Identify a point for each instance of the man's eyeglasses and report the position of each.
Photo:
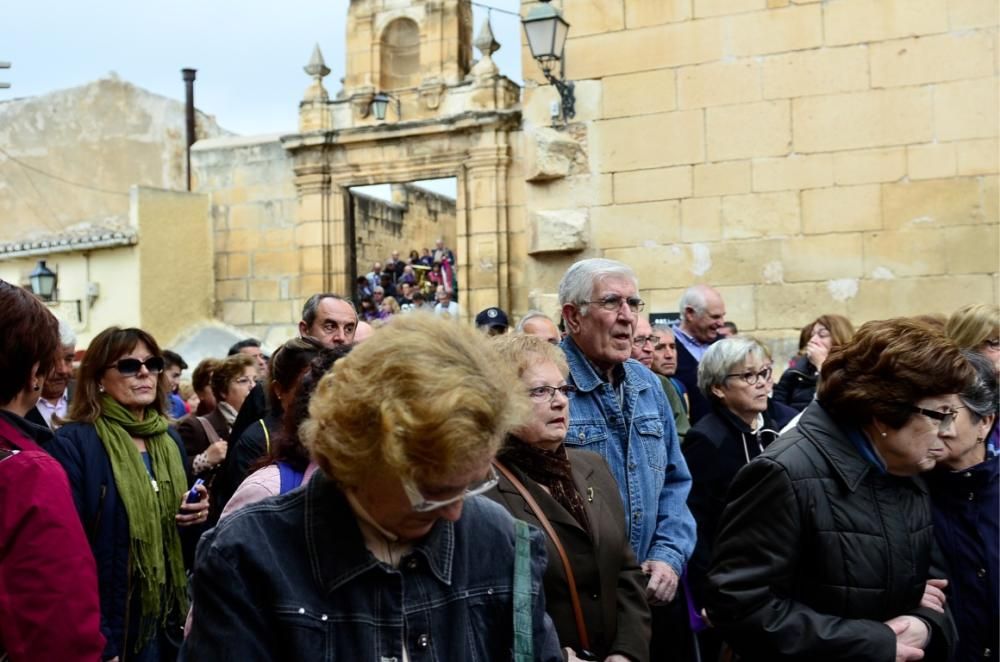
(613, 303)
(547, 393)
(640, 341)
(421, 504)
(944, 418)
(751, 377)
(131, 367)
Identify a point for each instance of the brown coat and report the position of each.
(194, 436)
(609, 581)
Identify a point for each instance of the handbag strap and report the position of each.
(210, 432)
(574, 596)
(524, 639)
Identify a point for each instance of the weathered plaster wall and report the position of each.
(106, 136)
(176, 275)
(804, 156)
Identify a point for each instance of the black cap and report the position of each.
(492, 317)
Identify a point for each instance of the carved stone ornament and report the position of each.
(431, 91)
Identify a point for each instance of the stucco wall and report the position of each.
(175, 260)
(806, 157)
(115, 273)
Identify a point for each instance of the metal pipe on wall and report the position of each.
(189, 76)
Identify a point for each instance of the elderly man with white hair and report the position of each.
(703, 313)
(621, 412)
(57, 389)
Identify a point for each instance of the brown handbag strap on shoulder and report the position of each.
(210, 432)
(574, 596)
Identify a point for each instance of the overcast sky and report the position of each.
(249, 53)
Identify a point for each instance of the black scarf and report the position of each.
(550, 469)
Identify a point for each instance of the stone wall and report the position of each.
(804, 156)
(414, 219)
(260, 248)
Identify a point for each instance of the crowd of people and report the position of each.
(424, 281)
(591, 487)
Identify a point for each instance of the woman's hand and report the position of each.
(817, 352)
(193, 513)
(216, 452)
(911, 637)
(934, 597)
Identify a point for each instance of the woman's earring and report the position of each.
(100, 387)
(36, 387)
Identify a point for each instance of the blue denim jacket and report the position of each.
(640, 444)
(290, 578)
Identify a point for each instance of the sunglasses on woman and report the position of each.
(131, 367)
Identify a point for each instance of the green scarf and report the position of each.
(154, 545)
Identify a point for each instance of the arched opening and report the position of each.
(400, 55)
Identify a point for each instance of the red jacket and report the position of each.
(49, 607)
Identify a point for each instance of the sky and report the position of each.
(249, 53)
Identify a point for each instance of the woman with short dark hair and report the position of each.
(126, 468)
(49, 607)
(965, 493)
(824, 549)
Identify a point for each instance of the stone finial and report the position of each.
(317, 67)
(485, 41)
(318, 70)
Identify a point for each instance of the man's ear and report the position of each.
(571, 317)
(303, 329)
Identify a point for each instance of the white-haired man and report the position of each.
(621, 412)
(703, 313)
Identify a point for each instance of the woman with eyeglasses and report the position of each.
(385, 553)
(126, 469)
(735, 376)
(797, 386)
(825, 549)
(575, 491)
(206, 438)
(965, 494)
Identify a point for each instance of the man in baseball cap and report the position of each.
(492, 322)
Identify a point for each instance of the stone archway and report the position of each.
(474, 147)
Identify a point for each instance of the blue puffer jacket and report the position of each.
(81, 453)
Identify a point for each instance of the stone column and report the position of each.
(482, 239)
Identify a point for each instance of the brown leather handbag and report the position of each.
(574, 596)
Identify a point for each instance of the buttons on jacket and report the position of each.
(423, 641)
(981, 573)
(972, 496)
(412, 563)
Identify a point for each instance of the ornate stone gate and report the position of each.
(444, 119)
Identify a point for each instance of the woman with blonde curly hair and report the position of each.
(977, 327)
(385, 553)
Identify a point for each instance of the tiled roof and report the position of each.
(108, 233)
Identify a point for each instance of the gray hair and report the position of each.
(577, 285)
(663, 327)
(67, 336)
(693, 297)
(980, 396)
(720, 358)
(528, 316)
(312, 305)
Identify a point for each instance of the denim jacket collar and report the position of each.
(330, 524)
(586, 377)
